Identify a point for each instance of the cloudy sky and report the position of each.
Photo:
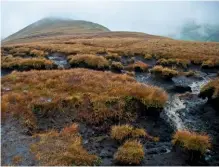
(153, 17)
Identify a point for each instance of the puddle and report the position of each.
(60, 60)
(5, 72)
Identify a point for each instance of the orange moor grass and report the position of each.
(18, 63)
(94, 96)
(122, 132)
(88, 61)
(130, 153)
(138, 66)
(191, 141)
(164, 71)
(211, 89)
(62, 149)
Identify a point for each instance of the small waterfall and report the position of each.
(176, 108)
(59, 59)
(197, 85)
(173, 105)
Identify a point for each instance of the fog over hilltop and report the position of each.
(172, 19)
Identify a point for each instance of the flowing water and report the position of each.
(59, 59)
(177, 109)
(173, 105)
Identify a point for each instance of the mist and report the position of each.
(152, 17)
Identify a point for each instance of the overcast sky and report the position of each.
(151, 17)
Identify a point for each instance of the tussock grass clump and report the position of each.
(195, 144)
(113, 56)
(89, 61)
(62, 149)
(164, 72)
(148, 56)
(116, 66)
(122, 132)
(172, 62)
(210, 63)
(37, 53)
(211, 91)
(138, 66)
(138, 132)
(189, 73)
(130, 73)
(130, 153)
(16, 63)
(19, 51)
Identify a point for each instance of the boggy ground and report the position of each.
(36, 102)
(96, 139)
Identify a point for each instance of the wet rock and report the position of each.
(156, 151)
(106, 162)
(105, 153)
(182, 84)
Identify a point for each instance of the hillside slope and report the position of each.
(54, 26)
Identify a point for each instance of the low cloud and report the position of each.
(153, 17)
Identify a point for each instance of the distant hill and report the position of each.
(194, 31)
(56, 26)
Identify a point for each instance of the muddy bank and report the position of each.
(16, 143)
(101, 144)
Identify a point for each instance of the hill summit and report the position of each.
(56, 26)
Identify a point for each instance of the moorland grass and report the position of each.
(169, 51)
(164, 71)
(174, 62)
(130, 153)
(88, 61)
(191, 141)
(138, 66)
(122, 132)
(94, 96)
(211, 89)
(17, 63)
(62, 149)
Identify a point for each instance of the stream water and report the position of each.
(60, 60)
(178, 109)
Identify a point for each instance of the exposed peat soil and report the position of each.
(184, 110)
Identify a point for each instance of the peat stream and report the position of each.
(60, 60)
(177, 109)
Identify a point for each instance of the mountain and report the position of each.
(194, 31)
(56, 26)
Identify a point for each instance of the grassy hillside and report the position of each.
(53, 27)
